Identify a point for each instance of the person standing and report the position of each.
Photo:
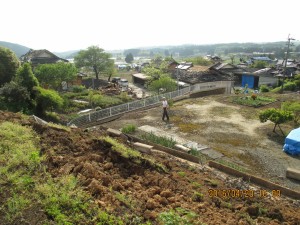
(165, 107)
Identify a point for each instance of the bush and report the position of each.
(47, 100)
(290, 86)
(129, 128)
(78, 88)
(264, 88)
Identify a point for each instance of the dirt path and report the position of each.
(233, 130)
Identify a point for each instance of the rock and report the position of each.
(108, 166)
(166, 194)
(275, 214)
(253, 211)
(151, 204)
(149, 215)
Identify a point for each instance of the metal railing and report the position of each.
(93, 117)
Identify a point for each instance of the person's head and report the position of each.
(163, 98)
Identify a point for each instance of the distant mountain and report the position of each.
(19, 50)
(67, 55)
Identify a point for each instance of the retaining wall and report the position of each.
(256, 180)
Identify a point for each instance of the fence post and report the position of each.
(109, 111)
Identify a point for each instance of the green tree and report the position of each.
(26, 78)
(94, 58)
(9, 65)
(14, 98)
(54, 74)
(199, 60)
(164, 82)
(259, 64)
(129, 58)
(293, 107)
(277, 116)
(47, 100)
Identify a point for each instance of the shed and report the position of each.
(251, 80)
(140, 78)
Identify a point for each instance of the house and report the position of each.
(42, 56)
(140, 78)
(263, 59)
(250, 80)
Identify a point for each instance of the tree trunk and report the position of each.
(109, 78)
(96, 72)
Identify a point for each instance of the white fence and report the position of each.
(127, 107)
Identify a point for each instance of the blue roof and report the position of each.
(261, 58)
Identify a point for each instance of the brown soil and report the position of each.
(148, 192)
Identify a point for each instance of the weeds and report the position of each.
(164, 141)
(232, 165)
(197, 197)
(179, 216)
(128, 129)
(63, 201)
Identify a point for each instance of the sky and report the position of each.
(64, 25)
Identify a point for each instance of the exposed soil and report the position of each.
(105, 174)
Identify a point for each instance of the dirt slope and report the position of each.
(140, 193)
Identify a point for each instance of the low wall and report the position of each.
(170, 151)
(256, 180)
(215, 91)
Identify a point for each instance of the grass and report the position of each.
(161, 140)
(178, 216)
(232, 165)
(27, 184)
(132, 154)
(128, 128)
(248, 101)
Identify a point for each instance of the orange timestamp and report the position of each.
(242, 193)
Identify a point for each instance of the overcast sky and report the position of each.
(63, 25)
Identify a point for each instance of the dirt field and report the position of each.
(233, 130)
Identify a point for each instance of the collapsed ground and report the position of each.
(140, 192)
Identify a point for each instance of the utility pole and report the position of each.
(286, 58)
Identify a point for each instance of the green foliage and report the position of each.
(128, 129)
(94, 57)
(259, 64)
(179, 216)
(48, 100)
(277, 116)
(132, 154)
(264, 88)
(164, 141)
(289, 86)
(293, 107)
(14, 98)
(164, 82)
(199, 60)
(26, 78)
(78, 88)
(18, 150)
(124, 97)
(129, 58)
(53, 75)
(9, 64)
(247, 100)
(103, 101)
